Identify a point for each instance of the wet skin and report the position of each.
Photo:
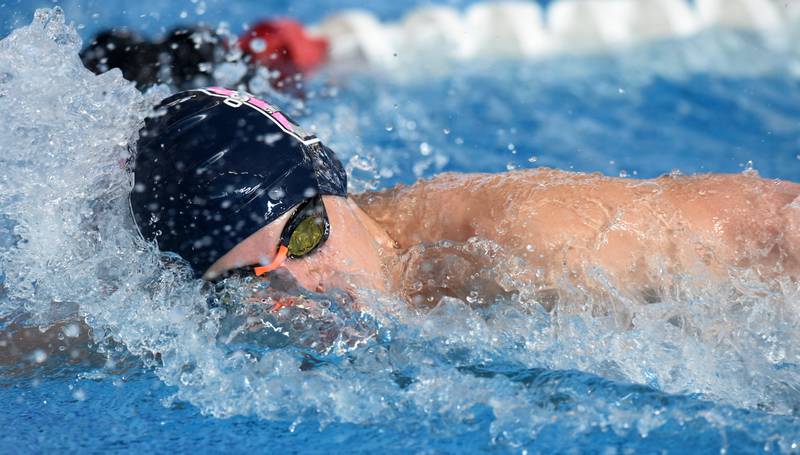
(550, 230)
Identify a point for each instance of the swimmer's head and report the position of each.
(214, 166)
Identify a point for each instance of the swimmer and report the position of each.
(232, 185)
(185, 58)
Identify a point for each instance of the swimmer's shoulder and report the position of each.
(475, 182)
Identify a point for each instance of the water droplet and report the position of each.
(71, 331)
(533, 159)
(39, 356)
(389, 128)
(621, 91)
(749, 170)
(79, 395)
(184, 14)
(258, 45)
(425, 149)
(623, 173)
(276, 194)
(446, 131)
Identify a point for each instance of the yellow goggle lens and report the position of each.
(306, 236)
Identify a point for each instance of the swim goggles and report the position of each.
(306, 230)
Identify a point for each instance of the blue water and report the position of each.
(125, 413)
(638, 113)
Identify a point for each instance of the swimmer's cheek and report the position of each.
(305, 276)
(325, 271)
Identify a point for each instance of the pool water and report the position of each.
(161, 373)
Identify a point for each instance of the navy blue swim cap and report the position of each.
(213, 166)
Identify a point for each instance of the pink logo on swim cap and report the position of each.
(235, 98)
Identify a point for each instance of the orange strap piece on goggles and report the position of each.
(280, 258)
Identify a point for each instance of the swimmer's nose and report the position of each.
(280, 258)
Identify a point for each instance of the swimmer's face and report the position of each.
(349, 259)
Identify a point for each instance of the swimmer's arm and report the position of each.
(634, 231)
(640, 234)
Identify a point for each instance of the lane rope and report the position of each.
(525, 29)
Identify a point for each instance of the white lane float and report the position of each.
(436, 31)
(356, 38)
(589, 26)
(523, 29)
(507, 29)
(760, 15)
(658, 19)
